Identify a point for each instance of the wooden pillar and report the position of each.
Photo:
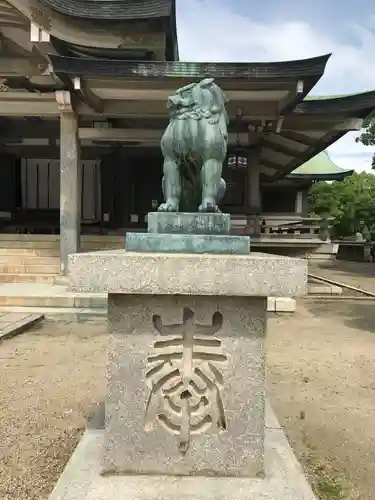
(253, 185)
(301, 203)
(70, 181)
(298, 203)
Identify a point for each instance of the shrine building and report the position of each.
(83, 92)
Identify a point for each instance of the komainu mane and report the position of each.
(194, 146)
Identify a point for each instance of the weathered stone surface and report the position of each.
(185, 385)
(188, 223)
(256, 274)
(187, 243)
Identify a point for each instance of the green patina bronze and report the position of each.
(194, 146)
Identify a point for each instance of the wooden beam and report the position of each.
(321, 123)
(80, 88)
(136, 135)
(116, 108)
(53, 152)
(119, 134)
(279, 148)
(21, 66)
(272, 165)
(155, 94)
(294, 96)
(294, 136)
(89, 98)
(28, 104)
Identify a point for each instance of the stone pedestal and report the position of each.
(186, 380)
(193, 400)
(170, 232)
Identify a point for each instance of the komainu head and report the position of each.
(198, 100)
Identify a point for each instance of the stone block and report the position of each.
(187, 243)
(255, 274)
(186, 388)
(271, 304)
(317, 289)
(285, 304)
(188, 223)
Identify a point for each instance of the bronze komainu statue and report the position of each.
(194, 146)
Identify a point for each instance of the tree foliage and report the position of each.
(351, 202)
(367, 137)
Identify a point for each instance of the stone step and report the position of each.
(53, 252)
(29, 260)
(38, 244)
(28, 237)
(45, 244)
(69, 300)
(27, 268)
(35, 252)
(62, 313)
(56, 238)
(27, 278)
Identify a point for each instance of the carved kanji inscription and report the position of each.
(185, 378)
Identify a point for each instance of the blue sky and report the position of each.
(275, 30)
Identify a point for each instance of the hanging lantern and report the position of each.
(237, 159)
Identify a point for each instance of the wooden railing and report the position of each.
(303, 227)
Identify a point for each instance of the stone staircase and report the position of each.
(35, 258)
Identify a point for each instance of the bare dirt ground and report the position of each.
(321, 381)
(358, 274)
(49, 379)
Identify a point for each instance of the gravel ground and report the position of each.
(321, 380)
(50, 379)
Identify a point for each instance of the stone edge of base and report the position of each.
(255, 274)
(285, 479)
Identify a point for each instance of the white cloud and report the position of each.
(210, 31)
(348, 154)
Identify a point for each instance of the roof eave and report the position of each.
(358, 105)
(338, 176)
(275, 71)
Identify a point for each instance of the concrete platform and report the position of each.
(82, 479)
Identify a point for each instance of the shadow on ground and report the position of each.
(354, 314)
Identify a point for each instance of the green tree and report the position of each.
(351, 202)
(367, 137)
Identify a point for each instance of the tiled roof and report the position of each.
(113, 9)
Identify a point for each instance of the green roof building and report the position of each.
(320, 168)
